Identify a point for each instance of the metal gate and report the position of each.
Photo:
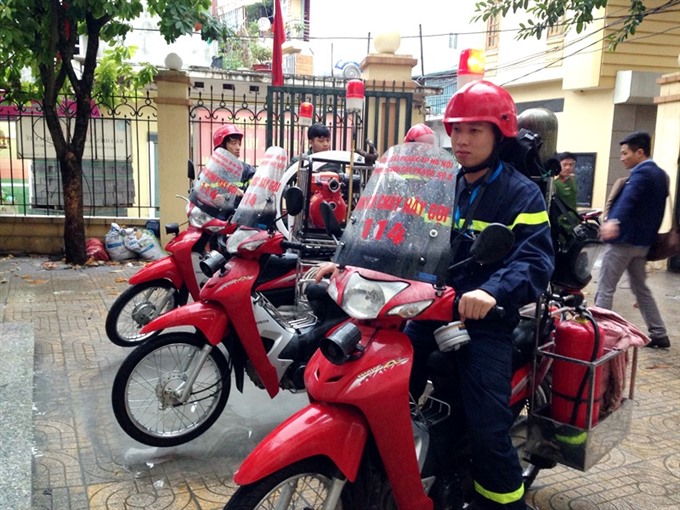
(385, 117)
(272, 118)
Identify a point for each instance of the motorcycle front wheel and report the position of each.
(300, 486)
(147, 389)
(136, 307)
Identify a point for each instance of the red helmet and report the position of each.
(223, 132)
(420, 133)
(482, 101)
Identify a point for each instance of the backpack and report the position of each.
(574, 239)
(522, 152)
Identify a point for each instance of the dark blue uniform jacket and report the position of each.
(512, 199)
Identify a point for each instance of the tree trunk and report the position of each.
(74, 222)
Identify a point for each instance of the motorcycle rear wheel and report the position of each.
(300, 486)
(144, 395)
(137, 306)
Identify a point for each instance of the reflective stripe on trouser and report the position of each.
(485, 371)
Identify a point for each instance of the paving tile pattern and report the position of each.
(83, 460)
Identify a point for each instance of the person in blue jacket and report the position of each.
(478, 118)
(632, 223)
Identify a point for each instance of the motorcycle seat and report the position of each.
(322, 305)
(278, 265)
(523, 340)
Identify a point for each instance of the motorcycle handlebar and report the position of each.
(497, 313)
(308, 251)
(292, 245)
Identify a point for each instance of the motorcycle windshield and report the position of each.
(258, 206)
(218, 187)
(401, 224)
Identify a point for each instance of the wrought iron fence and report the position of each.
(120, 170)
(120, 163)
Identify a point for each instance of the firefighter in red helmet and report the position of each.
(230, 138)
(479, 118)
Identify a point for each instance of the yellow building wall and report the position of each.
(653, 48)
(583, 55)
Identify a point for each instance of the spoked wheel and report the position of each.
(305, 485)
(520, 429)
(147, 391)
(136, 307)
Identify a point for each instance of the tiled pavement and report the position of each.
(83, 460)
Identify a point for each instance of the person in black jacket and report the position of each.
(479, 117)
(631, 227)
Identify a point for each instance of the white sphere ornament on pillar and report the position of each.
(387, 42)
(173, 62)
(263, 24)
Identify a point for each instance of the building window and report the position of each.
(492, 28)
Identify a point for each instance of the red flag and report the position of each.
(279, 39)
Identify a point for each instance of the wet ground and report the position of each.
(81, 459)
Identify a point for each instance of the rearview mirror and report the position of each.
(191, 173)
(295, 201)
(492, 244)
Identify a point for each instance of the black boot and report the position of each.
(447, 493)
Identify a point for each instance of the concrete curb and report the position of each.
(16, 414)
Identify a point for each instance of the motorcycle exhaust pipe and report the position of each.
(212, 263)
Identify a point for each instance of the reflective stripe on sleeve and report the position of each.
(537, 218)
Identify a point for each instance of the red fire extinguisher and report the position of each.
(579, 339)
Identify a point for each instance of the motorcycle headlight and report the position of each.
(410, 310)
(363, 299)
(238, 237)
(197, 217)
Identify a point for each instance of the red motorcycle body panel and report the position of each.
(338, 433)
(176, 267)
(377, 384)
(233, 290)
(209, 318)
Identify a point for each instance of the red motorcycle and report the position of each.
(172, 388)
(363, 442)
(167, 283)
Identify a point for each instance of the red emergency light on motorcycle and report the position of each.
(470, 66)
(306, 114)
(354, 97)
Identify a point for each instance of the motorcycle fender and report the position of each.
(338, 433)
(161, 269)
(208, 318)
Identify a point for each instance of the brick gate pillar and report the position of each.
(387, 70)
(173, 145)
